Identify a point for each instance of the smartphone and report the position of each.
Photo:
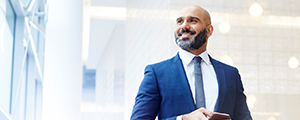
(219, 116)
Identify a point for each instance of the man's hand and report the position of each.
(199, 114)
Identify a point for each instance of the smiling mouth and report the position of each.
(186, 33)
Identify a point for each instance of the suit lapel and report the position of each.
(178, 70)
(221, 81)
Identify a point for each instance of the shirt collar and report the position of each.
(187, 57)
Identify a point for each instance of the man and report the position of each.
(188, 87)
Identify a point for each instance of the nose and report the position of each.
(185, 26)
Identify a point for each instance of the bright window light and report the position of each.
(293, 62)
(224, 27)
(255, 10)
(226, 59)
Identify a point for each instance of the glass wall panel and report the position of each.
(6, 52)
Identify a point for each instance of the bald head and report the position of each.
(199, 11)
(193, 28)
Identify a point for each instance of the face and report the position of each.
(193, 43)
(191, 31)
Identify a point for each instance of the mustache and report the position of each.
(186, 31)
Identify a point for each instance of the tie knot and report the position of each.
(197, 59)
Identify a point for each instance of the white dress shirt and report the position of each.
(210, 82)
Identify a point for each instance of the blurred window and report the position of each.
(7, 23)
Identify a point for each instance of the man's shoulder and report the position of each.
(165, 62)
(222, 64)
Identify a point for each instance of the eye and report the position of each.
(179, 21)
(193, 20)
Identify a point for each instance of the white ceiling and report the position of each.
(100, 29)
(100, 33)
(111, 3)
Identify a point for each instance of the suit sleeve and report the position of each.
(147, 101)
(241, 111)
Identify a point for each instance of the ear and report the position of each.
(210, 30)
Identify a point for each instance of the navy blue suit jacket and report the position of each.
(165, 92)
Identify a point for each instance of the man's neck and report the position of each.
(197, 51)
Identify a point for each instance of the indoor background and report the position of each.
(84, 59)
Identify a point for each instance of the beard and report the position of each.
(191, 44)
